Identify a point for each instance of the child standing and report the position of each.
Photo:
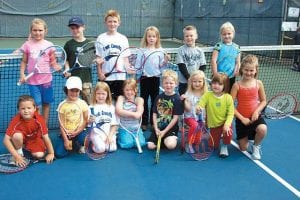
(296, 65)
(196, 88)
(150, 79)
(77, 28)
(103, 114)
(251, 100)
(219, 108)
(72, 89)
(166, 111)
(40, 85)
(129, 114)
(189, 57)
(114, 42)
(28, 128)
(226, 54)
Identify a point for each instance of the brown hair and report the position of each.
(104, 86)
(222, 79)
(249, 60)
(24, 98)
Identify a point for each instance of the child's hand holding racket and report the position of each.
(20, 161)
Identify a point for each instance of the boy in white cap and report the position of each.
(67, 111)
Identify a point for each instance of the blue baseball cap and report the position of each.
(76, 21)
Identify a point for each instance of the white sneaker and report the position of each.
(256, 154)
(81, 150)
(223, 151)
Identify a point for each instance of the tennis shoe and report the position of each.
(256, 154)
(81, 150)
(189, 148)
(223, 151)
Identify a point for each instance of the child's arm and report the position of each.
(262, 99)
(50, 156)
(214, 58)
(112, 132)
(230, 114)
(10, 147)
(83, 124)
(156, 129)
(234, 91)
(170, 125)
(125, 113)
(23, 67)
(99, 62)
(182, 68)
(237, 65)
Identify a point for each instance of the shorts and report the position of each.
(116, 88)
(249, 131)
(126, 140)
(42, 94)
(153, 138)
(35, 145)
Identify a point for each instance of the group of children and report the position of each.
(30, 129)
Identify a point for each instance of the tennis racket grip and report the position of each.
(26, 78)
(138, 145)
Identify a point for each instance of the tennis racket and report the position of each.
(49, 60)
(200, 145)
(86, 56)
(70, 117)
(182, 135)
(95, 134)
(134, 65)
(280, 106)
(7, 165)
(132, 126)
(157, 154)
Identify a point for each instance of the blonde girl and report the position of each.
(130, 115)
(102, 112)
(197, 86)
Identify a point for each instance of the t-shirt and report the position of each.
(166, 107)
(105, 116)
(220, 110)
(113, 45)
(70, 113)
(33, 49)
(31, 129)
(193, 100)
(192, 57)
(71, 48)
(153, 63)
(227, 57)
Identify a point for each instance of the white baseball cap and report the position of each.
(74, 82)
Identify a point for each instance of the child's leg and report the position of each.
(261, 132)
(152, 141)
(171, 142)
(99, 144)
(125, 140)
(60, 150)
(243, 143)
(216, 135)
(46, 91)
(17, 140)
(46, 111)
(145, 95)
(153, 87)
(226, 138)
(141, 138)
(192, 123)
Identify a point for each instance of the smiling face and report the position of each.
(248, 71)
(77, 31)
(190, 37)
(73, 94)
(151, 38)
(101, 96)
(197, 82)
(169, 85)
(129, 92)
(38, 31)
(227, 35)
(112, 24)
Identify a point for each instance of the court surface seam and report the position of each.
(269, 171)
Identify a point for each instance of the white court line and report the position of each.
(269, 171)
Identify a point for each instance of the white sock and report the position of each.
(20, 151)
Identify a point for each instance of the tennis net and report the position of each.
(275, 64)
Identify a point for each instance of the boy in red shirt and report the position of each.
(28, 129)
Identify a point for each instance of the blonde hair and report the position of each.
(202, 75)
(170, 73)
(112, 13)
(222, 79)
(131, 83)
(38, 21)
(190, 28)
(249, 60)
(104, 86)
(227, 25)
(144, 42)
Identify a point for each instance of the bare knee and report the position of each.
(170, 142)
(151, 145)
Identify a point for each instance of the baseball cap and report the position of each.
(74, 82)
(76, 21)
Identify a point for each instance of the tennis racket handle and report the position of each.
(138, 146)
(26, 78)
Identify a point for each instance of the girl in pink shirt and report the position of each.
(251, 100)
